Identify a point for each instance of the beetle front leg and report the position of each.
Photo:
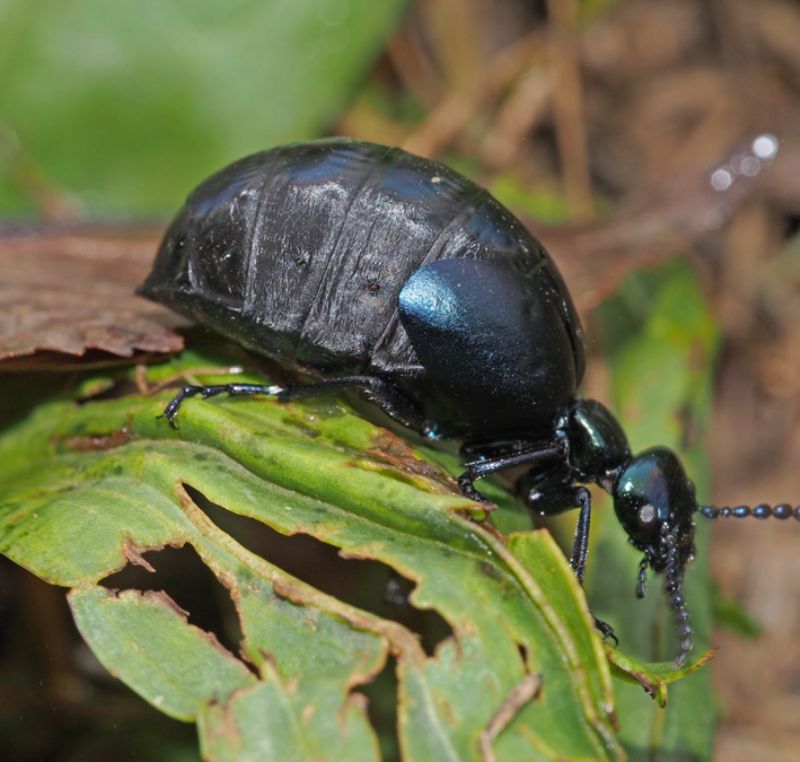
(580, 553)
(532, 455)
(580, 545)
(548, 499)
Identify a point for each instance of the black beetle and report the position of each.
(375, 270)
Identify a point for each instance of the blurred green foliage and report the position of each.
(543, 206)
(126, 105)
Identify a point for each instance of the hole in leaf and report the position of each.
(381, 695)
(111, 387)
(182, 575)
(58, 702)
(366, 584)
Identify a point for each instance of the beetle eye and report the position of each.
(647, 514)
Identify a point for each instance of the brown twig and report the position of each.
(516, 118)
(414, 67)
(568, 110)
(442, 125)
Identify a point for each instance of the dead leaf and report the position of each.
(67, 297)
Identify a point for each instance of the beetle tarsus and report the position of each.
(606, 631)
(468, 490)
(234, 390)
(171, 410)
(525, 455)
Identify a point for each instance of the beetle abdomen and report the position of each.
(301, 253)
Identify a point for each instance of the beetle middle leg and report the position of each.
(386, 395)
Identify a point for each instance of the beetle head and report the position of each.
(654, 501)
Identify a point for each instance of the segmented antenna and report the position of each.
(641, 583)
(763, 511)
(673, 585)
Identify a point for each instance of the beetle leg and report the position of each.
(580, 552)
(546, 497)
(236, 390)
(468, 490)
(385, 394)
(605, 629)
(550, 493)
(528, 456)
(580, 545)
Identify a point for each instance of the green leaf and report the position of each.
(138, 634)
(655, 678)
(260, 724)
(126, 105)
(87, 488)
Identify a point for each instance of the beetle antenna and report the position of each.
(762, 511)
(641, 584)
(673, 586)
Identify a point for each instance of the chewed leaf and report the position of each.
(655, 678)
(260, 723)
(81, 501)
(538, 552)
(136, 636)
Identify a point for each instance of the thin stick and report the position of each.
(568, 108)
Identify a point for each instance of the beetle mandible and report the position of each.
(382, 272)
